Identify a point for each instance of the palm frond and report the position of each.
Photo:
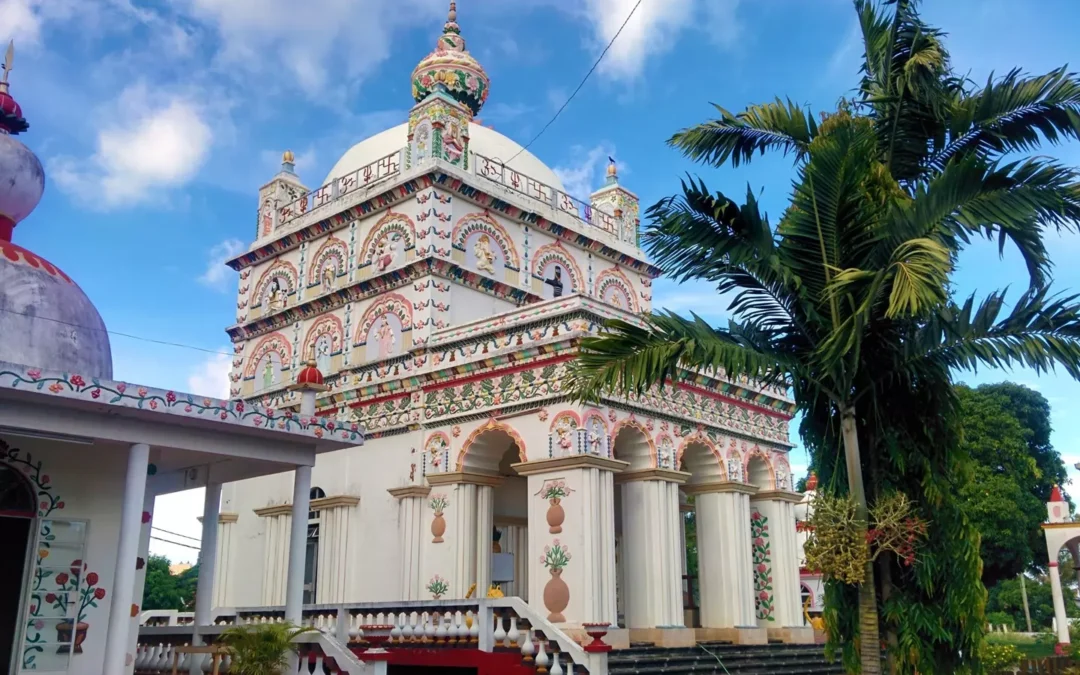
(1015, 113)
(629, 359)
(781, 125)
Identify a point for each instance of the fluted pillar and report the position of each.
(653, 557)
(725, 562)
(223, 582)
(462, 555)
(411, 501)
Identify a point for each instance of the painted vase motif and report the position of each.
(63, 635)
(555, 516)
(438, 504)
(556, 597)
(438, 528)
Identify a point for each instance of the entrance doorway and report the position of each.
(18, 509)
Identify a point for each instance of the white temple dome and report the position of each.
(482, 140)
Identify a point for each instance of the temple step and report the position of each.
(723, 658)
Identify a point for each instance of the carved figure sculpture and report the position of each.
(485, 257)
(385, 336)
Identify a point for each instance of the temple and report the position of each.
(441, 278)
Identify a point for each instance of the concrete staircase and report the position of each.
(721, 658)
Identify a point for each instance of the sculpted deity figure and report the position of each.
(556, 282)
(329, 275)
(277, 295)
(596, 437)
(386, 251)
(322, 355)
(385, 336)
(485, 257)
(734, 470)
(268, 374)
(453, 144)
(564, 434)
(782, 478)
(422, 143)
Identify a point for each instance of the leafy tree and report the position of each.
(164, 590)
(849, 300)
(1006, 432)
(1006, 599)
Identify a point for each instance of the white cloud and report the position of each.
(158, 145)
(217, 274)
(583, 176)
(211, 377)
(654, 28)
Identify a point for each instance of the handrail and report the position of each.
(332, 647)
(566, 644)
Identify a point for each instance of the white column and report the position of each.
(411, 525)
(653, 592)
(140, 574)
(724, 556)
(1061, 621)
(778, 509)
(464, 542)
(223, 580)
(294, 584)
(485, 512)
(204, 589)
(116, 639)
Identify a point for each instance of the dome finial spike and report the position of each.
(452, 14)
(9, 59)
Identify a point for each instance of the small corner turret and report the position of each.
(280, 198)
(618, 202)
(1057, 509)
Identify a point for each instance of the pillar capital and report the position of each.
(410, 491)
(569, 462)
(719, 486)
(777, 496)
(463, 477)
(667, 475)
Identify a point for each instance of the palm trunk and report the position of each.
(869, 638)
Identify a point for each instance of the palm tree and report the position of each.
(848, 301)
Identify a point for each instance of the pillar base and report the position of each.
(739, 636)
(665, 637)
(792, 635)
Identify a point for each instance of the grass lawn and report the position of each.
(1032, 647)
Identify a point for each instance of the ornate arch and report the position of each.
(437, 449)
(565, 413)
(274, 342)
(482, 222)
(756, 452)
(596, 441)
(631, 422)
(781, 462)
(391, 303)
(326, 324)
(556, 252)
(614, 278)
(700, 439)
(281, 269)
(333, 249)
(391, 223)
(491, 425)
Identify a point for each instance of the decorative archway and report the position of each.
(699, 456)
(325, 339)
(476, 226)
(271, 356)
(388, 241)
(329, 262)
(481, 449)
(758, 470)
(551, 257)
(637, 447)
(284, 273)
(614, 288)
(562, 434)
(596, 433)
(384, 327)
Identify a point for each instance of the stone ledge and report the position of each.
(569, 462)
(463, 477)
(410, 491)
(653, 474)
(665, 637)
(316, 505)
(739, 636)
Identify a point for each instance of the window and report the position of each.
(311, 558)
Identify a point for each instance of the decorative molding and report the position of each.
(410, 491)
(780, 496)
(703, 488)
(539, 466)
(316, 505)
(463, 477)
(667, 475)
(223, 518)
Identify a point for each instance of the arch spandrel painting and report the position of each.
(384, 338)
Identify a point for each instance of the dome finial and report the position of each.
(9, 57)
(452, 68)
(451, 16)
(612, 171)
(11, 119)
(288, 161)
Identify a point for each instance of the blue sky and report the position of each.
(158, 121)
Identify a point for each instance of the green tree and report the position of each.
(1006, 599)
(161, 590)
(1006, 430)
(849, 300)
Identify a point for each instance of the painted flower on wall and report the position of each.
(438, 587)
(762, 561)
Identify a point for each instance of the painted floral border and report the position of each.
(125, 395)
(763, 581)
(47, 500)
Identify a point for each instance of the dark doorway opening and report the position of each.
(18, 509)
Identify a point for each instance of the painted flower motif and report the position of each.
(43, 553)
(34, 373)
(44, 479)
(44, 506)
(59, 505)
(239, 406)
(50, 598)
(207, 402)
(145, 517)
(318, 432)
(224, 415)
(456, 431)
(170, 397)
(55, 387)
(92, 578)
(142, 391)
(356, 427)
(258, 421)
(187, 408)
(543, 415)
(153, 405)
(39, 624)
(78, 381)
(62, 578)
(95, 394)
(121, 387)
(329, 425)
(99, 593)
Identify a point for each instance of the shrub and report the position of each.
(1000, 658)
(261, 649)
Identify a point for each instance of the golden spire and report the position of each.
(287, 157)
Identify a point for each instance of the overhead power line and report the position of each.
(581, 84)
(175, 543)
(175, 534)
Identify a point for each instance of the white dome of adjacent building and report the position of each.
(482, 141)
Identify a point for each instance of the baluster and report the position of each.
(407, 628)
(461, 632)
(569, 666)
(429, 628)
(208, 663)
(542, 660)
(140, 656)
(226, 664)
(440, 631)
(396, 631)
(527, 648)
(513, 636)
(556, 668)
(474, 628)
(499, 635)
